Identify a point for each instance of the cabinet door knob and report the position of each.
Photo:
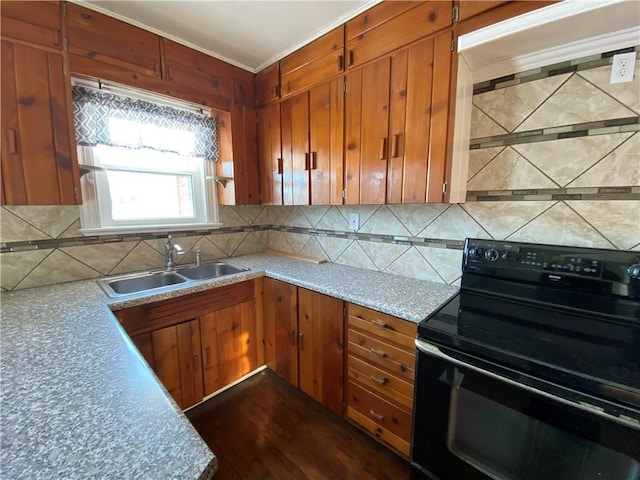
(12, 141)
(314, 160)
(397, 149)
(340, 63)
(293, 337)
(301, 341)
(350, 57)
(383, 148)
(379, 323)
(196, 361)
(307, 161)
(280, 166)
(207, 353)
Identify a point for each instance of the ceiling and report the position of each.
(248, 34)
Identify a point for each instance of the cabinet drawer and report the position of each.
(382, 325)
(156, 315)
(33, 22)
(374, 351)
(380, 432)
(313, 73)
(389, 416)
(396, 389)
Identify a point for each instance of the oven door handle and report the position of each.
(434, 351)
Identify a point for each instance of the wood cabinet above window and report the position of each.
(197, 77)
(107, 48)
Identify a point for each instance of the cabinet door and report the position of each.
(295, 150)
(326, 130)
(321, 348)
(268, 84)
(270, 154)
(229, 345)
(418, 121)
(38, 164)
(281, 328)
(366, 41)
(367, 125)
(33, 22)
(105, 47)
(245, 155)
(174, 355)
(201, 79)
(244, 86)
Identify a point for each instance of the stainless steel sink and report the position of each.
(162, 279)
(211, 270)
(141, 282)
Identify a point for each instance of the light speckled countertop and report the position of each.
(78, 401)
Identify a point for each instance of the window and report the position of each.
(150, 165)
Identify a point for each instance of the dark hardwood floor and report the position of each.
(264, 428)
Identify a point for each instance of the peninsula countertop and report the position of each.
(78, 400)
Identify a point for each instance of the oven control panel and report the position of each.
(544, 258)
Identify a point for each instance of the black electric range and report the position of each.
(532, 325)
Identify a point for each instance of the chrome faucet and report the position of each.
(198, 257)
(169, 247)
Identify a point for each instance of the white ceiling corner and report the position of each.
(250, 34)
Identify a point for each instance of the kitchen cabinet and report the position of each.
(174, 355)
(228, 352)
(381, 375)
(312, 145)
(197, 77)
(200, 342)
(304, 340)
(39, 165)
(280, 312)
(270, 154)
(475, 15)
(104, 47)
(32, 22)
(389, 26)
(314, 63)
(397, 112)
(268, 84)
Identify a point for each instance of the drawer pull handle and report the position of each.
(293, 337)
(280, 166)
(383, 148)
(307, 161)
(340, 63)
(381, 381)
(380, 323)
(314, 160)
(12, 141)
(350, 57)
(379, 417)
(208, 355)
(378, 352)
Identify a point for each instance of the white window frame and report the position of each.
(96, 211)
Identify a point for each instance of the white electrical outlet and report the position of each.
(622, 67)
(354, 221)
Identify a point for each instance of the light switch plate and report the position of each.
(622, 67)
(354, 221)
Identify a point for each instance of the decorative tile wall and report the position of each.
(555, 158)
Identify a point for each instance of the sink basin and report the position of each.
(141, 283)
(211, 270)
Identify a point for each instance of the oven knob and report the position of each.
(475, 252)
(634, 271)
(492, 255)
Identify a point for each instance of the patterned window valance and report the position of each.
(103, 118)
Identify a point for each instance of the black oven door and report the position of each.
(473, 424)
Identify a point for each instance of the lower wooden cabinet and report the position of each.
(304, 340)
(198, 343)
(381, 371)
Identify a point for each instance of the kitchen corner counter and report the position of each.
(78, 400)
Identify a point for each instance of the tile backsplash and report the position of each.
(555, 158)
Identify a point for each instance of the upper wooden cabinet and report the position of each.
(270, 154)
(471, 8)
(396, 125)
(106, 48)
(244, 86)
(32, 22)
(314, 63)
(392, 25)
(268, 84)
(201, 79)
(312, 126)
(39, 165)
(474, 15)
